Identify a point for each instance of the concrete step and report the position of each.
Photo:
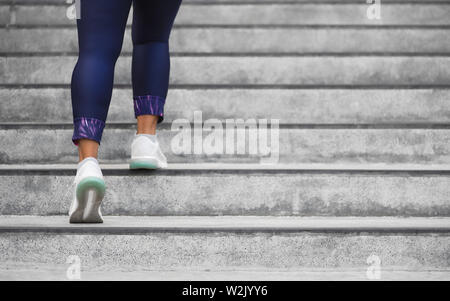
(262, 2)
(227, 189)
(230, 244)
(249, 40)
(251, 70)
(257, 14)
(200, 224)
(196, 2)
(58, 272)
(46, 144)
(290, 106)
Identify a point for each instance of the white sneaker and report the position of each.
(89, 191)
(146, 153)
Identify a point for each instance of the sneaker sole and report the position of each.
(90, 192)
(148, 163)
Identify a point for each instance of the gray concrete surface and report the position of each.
(111, 168)
(309, 145)
(269, 232)
(245, 224)
(247, 191)
(232, 14)
(218, 250)
(58, 273)
(58, 2)
(187, 2)
(248, 40)
(251, 70)
(290, 106)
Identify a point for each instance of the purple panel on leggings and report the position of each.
(149, 105)
(89, 128)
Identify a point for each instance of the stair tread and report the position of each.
(263, 40)
(257, 14)
(255, 71)
(245, 166)
(53, 272)
(60, 3)
(138, 224)
(245, 190)
(49, 106)
(292, 145)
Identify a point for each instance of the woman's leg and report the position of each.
(100, 36)
(152, 24)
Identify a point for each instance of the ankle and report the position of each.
(87, 149)
(148, 130)
(146, 124)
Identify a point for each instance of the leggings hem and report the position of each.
(149, 105)
(87, 128)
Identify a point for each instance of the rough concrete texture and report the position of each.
(216, 251)
(269, 231)
(58, 2)
(249, 40)
(54, 272)
(116, 168)
(290, 106)
(5, 16)
(235, 193)
(428, 146)
(234, 224)
(251, 70)
(325, 14)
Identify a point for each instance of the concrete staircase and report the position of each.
(363, 179)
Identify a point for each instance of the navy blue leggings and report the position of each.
(101, 30)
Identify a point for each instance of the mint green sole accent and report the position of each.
(91, 182)
(143, 165)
